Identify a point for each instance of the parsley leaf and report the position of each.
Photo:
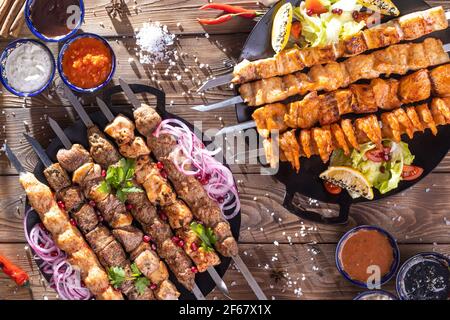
(135, 270)
(116, 276)
(205, 234)
(120, 178)
(141, 284)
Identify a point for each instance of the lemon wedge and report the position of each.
(350, 179)
(386, 7)
(281, 28)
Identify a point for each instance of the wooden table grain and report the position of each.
(289, 257)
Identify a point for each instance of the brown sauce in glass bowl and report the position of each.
(366, 248)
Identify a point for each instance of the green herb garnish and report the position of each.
(117, 276)
(205, 234)
(120, 178)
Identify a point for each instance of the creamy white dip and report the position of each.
(28, 67)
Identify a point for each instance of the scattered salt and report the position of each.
(154, 42)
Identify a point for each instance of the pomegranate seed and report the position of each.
(54, 253)
(153, 247)
(337, 11)
(309, 12)
(194, 246)
(198, 176)
(146, 238)
(220, 199)
(180, 243)
(41, 245)
(163, 216)
(100, 218)
(163, 173)
(61, 205)
(92, 203)
(73, 222)
(204, 181)
(103, 173)
(153, 286)
(129, 207)
(355, 15)
(194, 269)
(160, 165)
(175, 239)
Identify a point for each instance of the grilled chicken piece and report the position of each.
(202, 257)
(178, 214)
(324, 142)
(415, 87)
(406, 124)
(426, 118)
(440, 109)
(306, 143)
(39, 195)
(369, 127)
(56, 220)
(382, 36)
(303, 114)
(386, 93)
(167, 291)
(271, 154)
(73, 158)
(347, 128)
(121, 129)
(137, 147)
(414, 118)
(365, 98)
(339, 137)
(152, 267)
(329, 108)
(440, 78)
(269, 118)
(391, 126)
(291, 149)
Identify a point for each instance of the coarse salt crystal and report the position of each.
(154, 42)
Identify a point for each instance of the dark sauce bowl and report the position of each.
(45, 38)
(428, 259)
(395, 250)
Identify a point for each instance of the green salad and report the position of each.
(382, 168)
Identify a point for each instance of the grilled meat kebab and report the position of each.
(160, 193)
(107, 248)
(397, 59)
(188, 188)
(350, 134)
(358, 98)
(68, 238)
(409, 27)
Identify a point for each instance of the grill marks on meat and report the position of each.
(397, 59)
(359, 98)
(204, 208)
(408, 27)
(68, 237)
(394, 124)
(101, 149)
(73, 158)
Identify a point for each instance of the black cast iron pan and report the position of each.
(429, 150)
(77, 134)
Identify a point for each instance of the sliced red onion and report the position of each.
(192, 158)
(64, 278)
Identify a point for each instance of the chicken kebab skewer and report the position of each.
(397, 59)
(385, 94)
(160, 193)
(102, 241)
(66, 236)
(350, 134)
(173, 254)
(421, 56)
(189, 188)
(406, 28)
(92, 178)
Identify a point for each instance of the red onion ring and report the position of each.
(65, 279)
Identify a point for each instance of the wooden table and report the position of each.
(290, 258)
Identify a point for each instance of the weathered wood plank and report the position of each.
(309, 269)
(415, 216)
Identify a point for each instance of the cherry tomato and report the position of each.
(331, 188)
(411, 172)
(315, 7)
(377, 155)
(296, 30)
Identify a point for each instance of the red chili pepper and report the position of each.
(218, 20)
(19, 276)
(245, 13)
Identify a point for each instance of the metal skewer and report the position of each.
(237, 259)
(212, 272)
